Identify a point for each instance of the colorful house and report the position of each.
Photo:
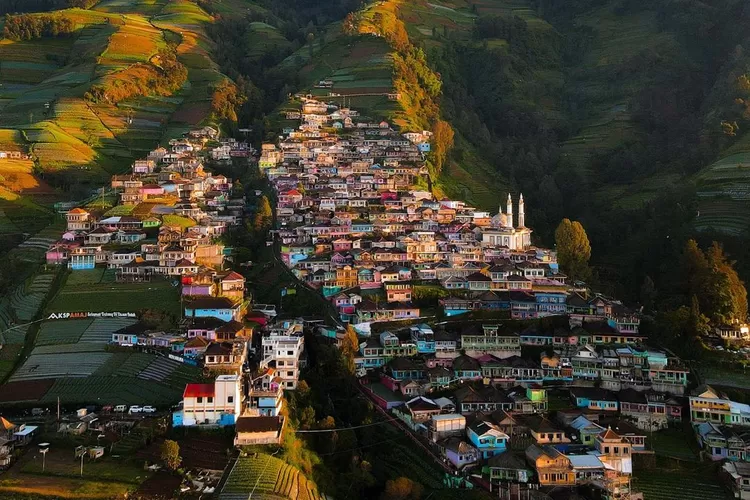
(487, 438)
(214, 307)
(594, 398)
(217, 403)
(509, 467)
(551, 466)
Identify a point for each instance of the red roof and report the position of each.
(293, 192)
(233, 276)
(198, 391)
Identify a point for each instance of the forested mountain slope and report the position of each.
(609, 111)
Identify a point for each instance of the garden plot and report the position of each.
(53, 333)
(101, 329)
(268, 477)
(25, 303)
(134, 365)
(41, 366)
(159, 369)
(678, 485)
(112, 390)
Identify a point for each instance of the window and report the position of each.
(230, 399)
(200, 399)
(606, 449)
(210, 400)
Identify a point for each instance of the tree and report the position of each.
(735, 291)
(442, 142)
(402, 488)
(170, 454)
(693, 266)
(573, 249)
(327, 441)
(263, 215)
(227, 100)
(712, 278)
(349, 348)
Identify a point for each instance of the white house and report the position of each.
(210, 404)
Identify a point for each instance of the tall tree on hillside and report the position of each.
(732, 295)
(349, 348)
(573, 249)
(712, 278)
(693, 267)
(442, 142)
(263, 215)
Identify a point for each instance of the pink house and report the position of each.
(388, 195)
(342, 245)
(152, 190)
(59, 253)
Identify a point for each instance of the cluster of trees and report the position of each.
(263, 216)
(258, 79)
(164, 75)
(19, 6)
(30, 27)
(226, 100)
(711, 279)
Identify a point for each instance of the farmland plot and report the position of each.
(59, 365)
(267, 476)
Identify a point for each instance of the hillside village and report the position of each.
(353, 224)
(509, 376)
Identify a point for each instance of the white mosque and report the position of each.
(503, 233)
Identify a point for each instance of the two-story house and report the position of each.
(217, 403)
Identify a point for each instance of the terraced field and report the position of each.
(268, 478)
(669, 485)
(113, 390)
(130, 297)
(75, 141)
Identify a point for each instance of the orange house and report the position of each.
(552, 467)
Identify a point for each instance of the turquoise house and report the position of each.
(487, 438)
(466, 368)
(594, 398)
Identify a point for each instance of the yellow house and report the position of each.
(552, 467)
